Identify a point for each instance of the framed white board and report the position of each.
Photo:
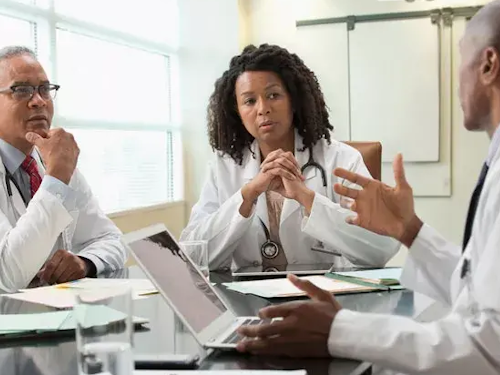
(395, 87)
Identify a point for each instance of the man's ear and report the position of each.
(490, 66)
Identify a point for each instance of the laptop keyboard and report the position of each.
(234, 337)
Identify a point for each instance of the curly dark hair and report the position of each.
(225, 128)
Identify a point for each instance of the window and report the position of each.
(118, 83)
(16, 31)
(114, 60)
(157, 20)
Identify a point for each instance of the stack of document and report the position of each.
(283, 288)
(385, 278)
(59, 320)
(62, 296)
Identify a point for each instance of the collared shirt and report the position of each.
(13, 158)
(494, 145)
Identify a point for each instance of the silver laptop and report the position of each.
(186, 290)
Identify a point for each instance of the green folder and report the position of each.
(381, 278)
(58, 321)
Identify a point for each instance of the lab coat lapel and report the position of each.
(251, 169)
(16, 199)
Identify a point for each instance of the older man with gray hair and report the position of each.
(51, 227)
(466, 278)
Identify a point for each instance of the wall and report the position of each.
(209, 37)
(173, 215)
(273, 21)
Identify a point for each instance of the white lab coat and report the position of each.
(452, 344)
(232, 237)
(29, 235)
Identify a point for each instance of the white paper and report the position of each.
(139, 286)
(271, 288)
(58, 298)
(63, 295)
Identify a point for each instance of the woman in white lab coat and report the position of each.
(263, 202)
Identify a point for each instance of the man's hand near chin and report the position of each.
(62, 267)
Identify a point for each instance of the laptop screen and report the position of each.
(179, 280)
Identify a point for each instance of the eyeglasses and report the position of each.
(47, 91)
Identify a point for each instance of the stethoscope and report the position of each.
(10, 179)
(270, 249)
(313, 164)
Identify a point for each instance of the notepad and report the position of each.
(388, 277)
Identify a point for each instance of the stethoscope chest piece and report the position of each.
(269, 249)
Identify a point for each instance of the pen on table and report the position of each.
(323, 250)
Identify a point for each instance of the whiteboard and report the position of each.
(395, 87)
(324, 50)
(434, 179)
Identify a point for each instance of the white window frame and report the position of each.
(52, 21)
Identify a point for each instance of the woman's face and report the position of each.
(264, 106)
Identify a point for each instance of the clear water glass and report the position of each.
(104, 331)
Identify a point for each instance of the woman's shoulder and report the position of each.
(339, 150)
(222, 160)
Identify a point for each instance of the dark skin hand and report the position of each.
(62, 267)
(381, 208)
(302, 329)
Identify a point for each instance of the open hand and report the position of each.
(380, 208)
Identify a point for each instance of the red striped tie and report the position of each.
(31, 168)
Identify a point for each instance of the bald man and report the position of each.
(466, 278)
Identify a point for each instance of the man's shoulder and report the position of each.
(79, 183)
